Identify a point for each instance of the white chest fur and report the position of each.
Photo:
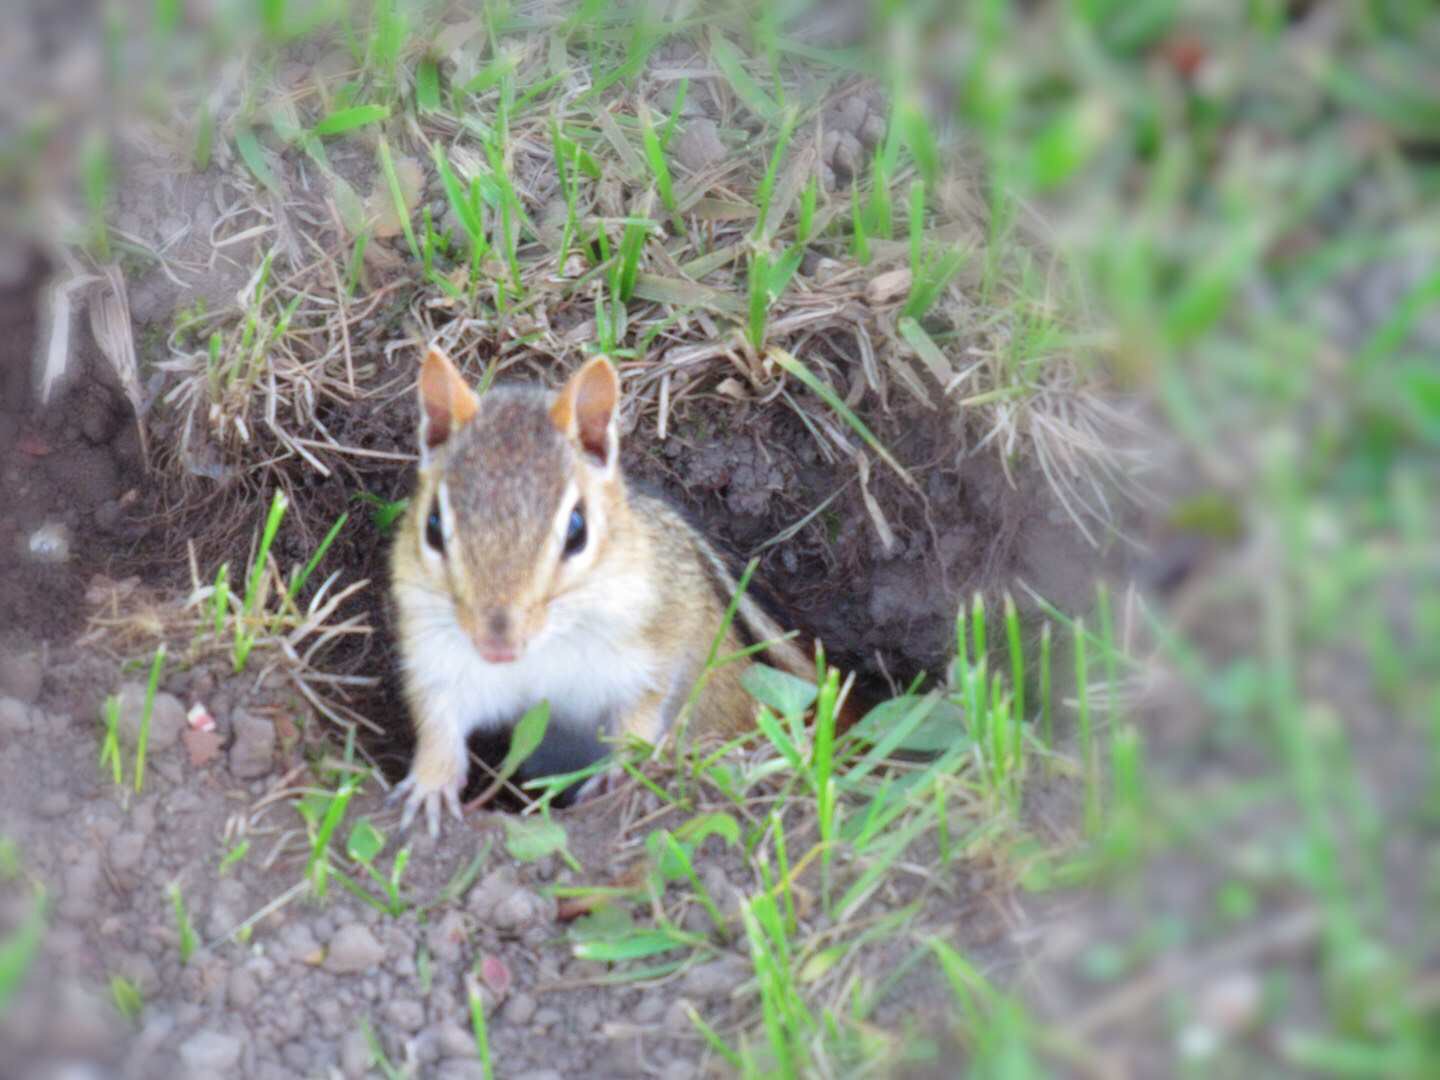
(588, 677)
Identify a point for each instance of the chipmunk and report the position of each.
(527, 569)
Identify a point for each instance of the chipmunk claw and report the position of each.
(431, 798)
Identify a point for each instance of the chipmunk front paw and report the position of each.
(429, 793)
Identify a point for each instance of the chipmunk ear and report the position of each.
(587, 411)
(446, 403)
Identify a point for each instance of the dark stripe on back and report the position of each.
(724, 593)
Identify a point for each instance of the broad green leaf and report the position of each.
(529, 839)
(787, 694)
(343, 120)
(365, 842)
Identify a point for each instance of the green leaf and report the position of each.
(427, 85)
(365, 842)
(17, 952)
(526, 737)
(787, 694)
(343, 120)
(631, 947)
(697, 830)
(529, 839)
(254, 157)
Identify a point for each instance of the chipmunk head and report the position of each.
(515, 495)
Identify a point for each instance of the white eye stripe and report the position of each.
(561, 524)
(440, 501)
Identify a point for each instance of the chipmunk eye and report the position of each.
(575, 531)
(433, 534)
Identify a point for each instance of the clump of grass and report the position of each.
(183, 927)
(142, 742)
(19, 949)
(126, 996)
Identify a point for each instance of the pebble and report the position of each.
(521, 909)
(586, 1016)
(446, 938)
(539, 1074)
(699, 144)
(21, 677)
(297, 943)
(354, 1054)
(331, 1016)
(126, 850)
(519, 1010)
(82, 882)
(489, 891)
(297, 1056)
(82, 1025)
(53, 804)
(14, 716)
(243, 989)
(407, 1014)
(677, 1016)
(211, 1051)
(456, 1068)
(353, 949)
(716, 978)
(450, 1038)
(649, 1009)
(167, 717)
(253, 753)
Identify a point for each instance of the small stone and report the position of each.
(450, 1039)
(242, 989)
(489, 891)
(519, 1010)
(407, 1014)
(253, 752)
(649, 1009)
(677, 1016)
(14, 716)
(167, 717)
(82, 883)
(354, 1054)
(21, 677)
(353, 949)
(458, 1068)
(332, 1016)
(446, 938)
(851, 114)
(699, 144)
(888, 287)
(586, 1016)
(539, 1074)
(297, 944)
(873, 130)
(126, 850)
(211, 1051)
(52, 804)
(521, 909)
(715, 979)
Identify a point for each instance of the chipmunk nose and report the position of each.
(496, 642)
